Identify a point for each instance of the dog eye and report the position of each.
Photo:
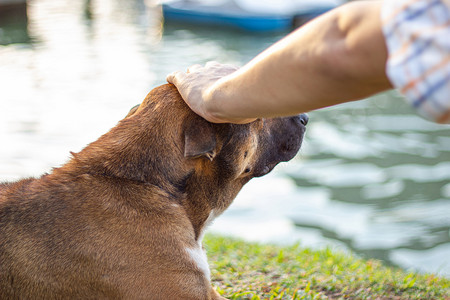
(247, 170)
(245, 154)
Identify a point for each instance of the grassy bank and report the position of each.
(243, 270)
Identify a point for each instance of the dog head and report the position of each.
(213, 157)
(164, 143)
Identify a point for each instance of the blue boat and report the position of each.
(248, 15)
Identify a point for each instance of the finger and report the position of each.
(243, 121)
(212, 63)
(231, 67)
(224, 69)
(175, 77)
(193, 68)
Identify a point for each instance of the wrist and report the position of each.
(212, 108)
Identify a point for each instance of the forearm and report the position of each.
(336, 58)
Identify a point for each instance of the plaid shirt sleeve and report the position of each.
(417, 34)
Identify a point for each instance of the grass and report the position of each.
(242, 270)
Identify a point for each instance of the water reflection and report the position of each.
(372, 177)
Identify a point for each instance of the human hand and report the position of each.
(201, 89)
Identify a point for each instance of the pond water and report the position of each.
(372, 177)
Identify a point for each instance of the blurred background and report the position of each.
(372, 177)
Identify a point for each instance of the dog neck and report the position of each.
(132, 152)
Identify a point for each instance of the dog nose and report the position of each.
(304, 119)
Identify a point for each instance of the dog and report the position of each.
(124, 218)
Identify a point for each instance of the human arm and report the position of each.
(338, 57)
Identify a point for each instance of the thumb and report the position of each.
(175, 77)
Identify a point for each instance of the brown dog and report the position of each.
(124, 218)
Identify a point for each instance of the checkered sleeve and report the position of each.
(417, 34)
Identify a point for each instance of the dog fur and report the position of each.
(124, 218)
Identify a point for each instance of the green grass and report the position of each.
(242, 270)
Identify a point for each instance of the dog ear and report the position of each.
(199, 139)
(132, 110)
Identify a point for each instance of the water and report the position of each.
(372, 177)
